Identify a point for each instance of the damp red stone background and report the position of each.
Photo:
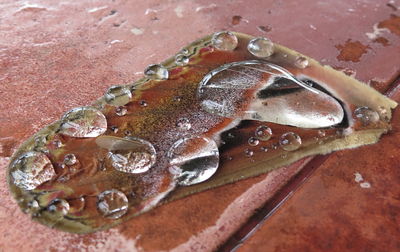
(56, 55)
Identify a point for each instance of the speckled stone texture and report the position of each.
(56, 55)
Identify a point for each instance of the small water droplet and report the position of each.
(383, 113)
(181, 60)
(57, 143)
(301, 62)
(118, 95)
(290, 141)
(112, 203)
(70, 159)
(59, 207)
(128, 133)
(33, 208)
(83, 122)
(114, 129)
(31, 169)
(366, 115)
(156, 72)
(261, 47)
(263, 132)
(129, 154)
(253, 141)
(264, 149)
(225, 41)
(194, 160)
(121, 111)
(143, 103)
(321, 133)
(183, 123)
(249, 153)
(230, 135)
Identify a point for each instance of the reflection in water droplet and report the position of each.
(290, 141)
(225, 41)
(70, 159)
(366, 115)
(83, 122)
(183, 123)
(156, 72)
(59, 207)
(261, 47)
(301, 62)
(121, 111)
(112, 203)
(129, 154)
(118, 95)
(31, 169)
(181, 60)
(253, 141)
(263, 132)
(193, 160)
(248, 153)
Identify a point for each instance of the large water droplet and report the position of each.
(290, 141)
(130, 154)
(366, 115)
(258, 90)
(261, 47)
(83, 122)
(118, 95)
(156, 72)
(194, 160)
(31, 169)
(181, 60)
(112, 203)
(225, 41)
(263, 132)
(59, 207)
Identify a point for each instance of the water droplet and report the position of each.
(183, 123)
(156, 72)
(114, 129)
(249, 153)
(83, 122)
(118, 95)
(230, 135)
(143, 103)
(261, 47)
(70, 159)
(321, 133)
(121, 111)
(242, 89)
(112, 203)
(129, 154)
(194, 160)
(57, 143)
(264, 149)
(31, 169)
(263, 132)
(33, 208)
(366, 115)
(59, 207)
(301, 62)
(181, 60)
(290, 141)
(253, 141)
(225, 41)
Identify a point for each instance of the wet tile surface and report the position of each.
(56, 56)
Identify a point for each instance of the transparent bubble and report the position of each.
(112, 203)
(194, 160)
(261, 47)
(366, 115)
(118, 95)
(83, 122)
(225, 41)
(156, 72)
(129, 154)
(32, 169)
(290, 141)
(263, 132)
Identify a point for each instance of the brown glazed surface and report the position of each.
(56, 56)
